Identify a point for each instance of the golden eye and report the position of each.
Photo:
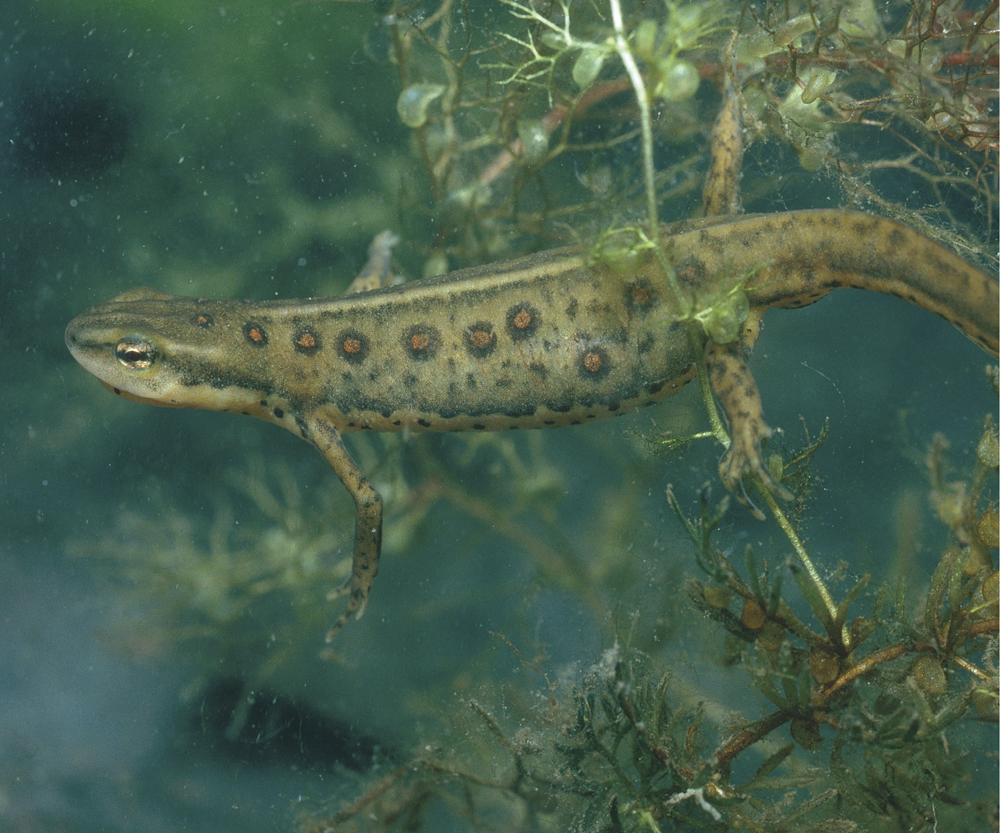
(134, 353)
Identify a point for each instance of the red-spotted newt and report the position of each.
(558, 338)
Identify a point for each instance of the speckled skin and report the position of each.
(448, 354)
(547, 340)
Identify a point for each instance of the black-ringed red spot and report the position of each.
(352, 346)
(480, 340)
(202, 319)
(639, 296)
(594, 363)
(420, 342)
(523, 321)
(307, 342)
(255, 334)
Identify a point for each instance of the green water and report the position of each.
(165, 572)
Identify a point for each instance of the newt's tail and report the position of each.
(801, 255)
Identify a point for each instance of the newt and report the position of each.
(552, 339)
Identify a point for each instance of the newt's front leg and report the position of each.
(367, 521)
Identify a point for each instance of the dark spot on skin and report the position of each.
(523, 321)
(352, 346)
(397, 422)
(280, 414)
(263, 403)
(424, 423)
(646, 344)
(203, 320)
(255, 334)
(307, 343)
(639, 296)
(691, 271)
(480, 340)
(518, 411)
(478, 427)
(549, 422)
(594, 363)
(539, 370)
(471, 382)
(448, 413)
(420, 342)
(654, 387)
(571, 309)
(410, 381)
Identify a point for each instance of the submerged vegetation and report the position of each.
(817, 697)
(882, 700)
(874, 705)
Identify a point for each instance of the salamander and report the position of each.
(558, 338)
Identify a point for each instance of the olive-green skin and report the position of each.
(557, 338)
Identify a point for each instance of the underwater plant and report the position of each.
(534, 122)
(888, 702)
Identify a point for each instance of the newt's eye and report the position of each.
(134, 353)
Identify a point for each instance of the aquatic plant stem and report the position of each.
(648, 168)
(800, 551)
(653, 215)
(718, 430)
(645, 120)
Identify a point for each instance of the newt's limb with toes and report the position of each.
(730, 377)
(558, 338)
(367, 522)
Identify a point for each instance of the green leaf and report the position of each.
(813, 597)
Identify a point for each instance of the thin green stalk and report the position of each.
(800, 551)
(648, 169)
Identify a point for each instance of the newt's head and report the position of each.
(114, 342)
(165, 350)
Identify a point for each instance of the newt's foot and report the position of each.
(737, 392)
(355, 604)
(742, 458)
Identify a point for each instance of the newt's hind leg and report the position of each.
(736, 390)
(721, 191)
(377, 271)
(731, 379)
